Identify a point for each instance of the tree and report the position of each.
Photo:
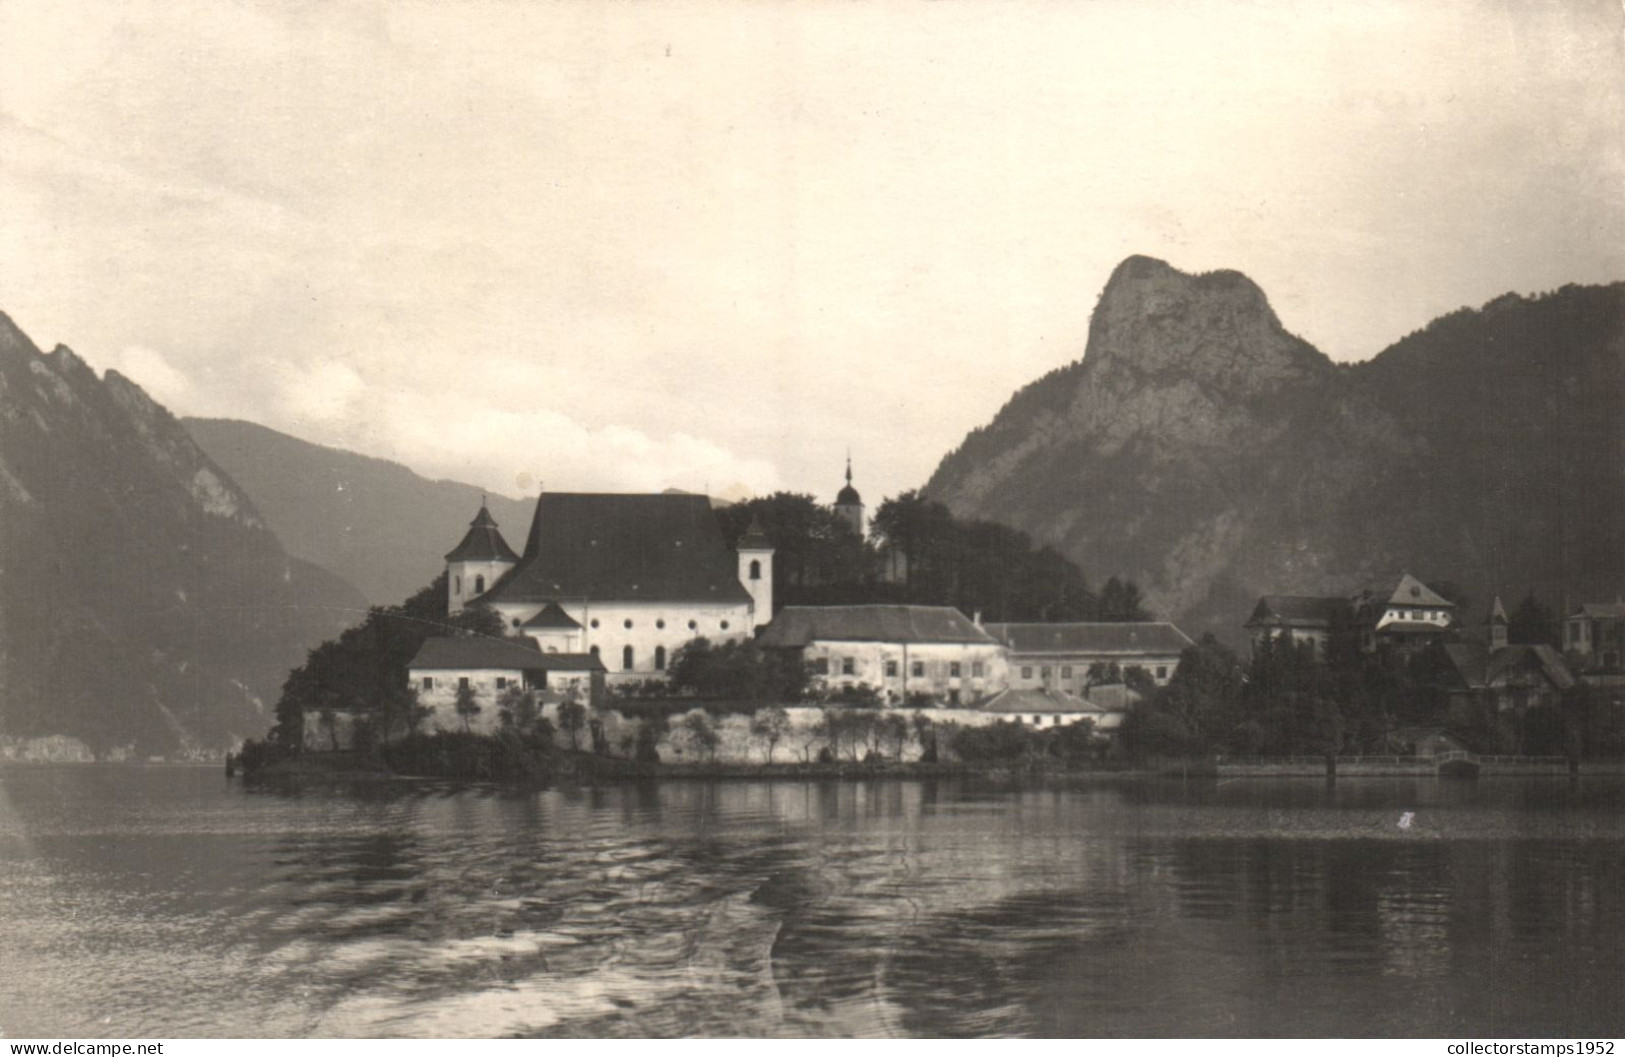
(925, 732)
(651, 729)
(1104, 673)
(829, 727)
(738, 670)
(516, 707)
(363, 670)
(700, 732)
(817, 558)
(1120, 601)
(468, 703)
(1532, 624)
(1199, 711)
(857, 728)
(770, 725)
(572, 720)
(893, 727)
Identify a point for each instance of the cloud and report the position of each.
(632, 246)
(149, 369)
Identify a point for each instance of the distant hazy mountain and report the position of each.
(142, 598)
(1202, 449)
(378, 524)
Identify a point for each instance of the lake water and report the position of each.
(157, 902)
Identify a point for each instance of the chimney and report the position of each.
(977, 618)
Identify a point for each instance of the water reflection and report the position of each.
(167, 902)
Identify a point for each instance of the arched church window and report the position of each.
(479, 585)
(660, 658)
(593, 651)
(626, 659)
(459, 585)
(755, 569)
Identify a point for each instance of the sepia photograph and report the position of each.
(592, 519)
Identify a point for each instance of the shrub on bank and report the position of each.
(470, 757)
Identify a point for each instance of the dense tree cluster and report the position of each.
(364, 669)
(738, 670)
(1289, 701)
(921, 554)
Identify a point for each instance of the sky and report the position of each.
(634, 246)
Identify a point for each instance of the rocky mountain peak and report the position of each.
(1214, 457)
(1215, 328)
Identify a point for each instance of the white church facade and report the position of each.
(626, 578)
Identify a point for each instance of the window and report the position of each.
(977, 669)
(459, 585)
(428, 682)
(918, 669)
(1038, 721)
(848, 666)
(891, 669)
(594, 622)
(820, 665)
(502, 682)
(516, 622)
(693, 625)
(1162, 671)
(953, 669)
(462, 682)
(627, 623)
(479, 585)
(953, 698)
(661, 624)
(755, 570)
(1066, 671)
(1043, 673)
(626, 659)
(724, 625)
(660, 658)
(1053, 720)
(1026, 671)
(593, 651)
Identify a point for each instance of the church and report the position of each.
(627, 579)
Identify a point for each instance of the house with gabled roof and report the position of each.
(1298, 619)
(1507, 678)
(1594, 635)
(1062, 657)
(627, 578)
(1042, 709)
(489, 666)
(1403, 614)
(895, 650)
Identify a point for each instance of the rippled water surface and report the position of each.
(173, 902)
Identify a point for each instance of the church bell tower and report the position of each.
(849, 504)
(477, 563)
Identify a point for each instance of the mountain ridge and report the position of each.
(146, 602)
(381, 525)
(1201, 448)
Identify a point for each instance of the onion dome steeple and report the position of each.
(848, 504)
(477, 563)
(483, 543)
(755, 537)
(848, 496)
